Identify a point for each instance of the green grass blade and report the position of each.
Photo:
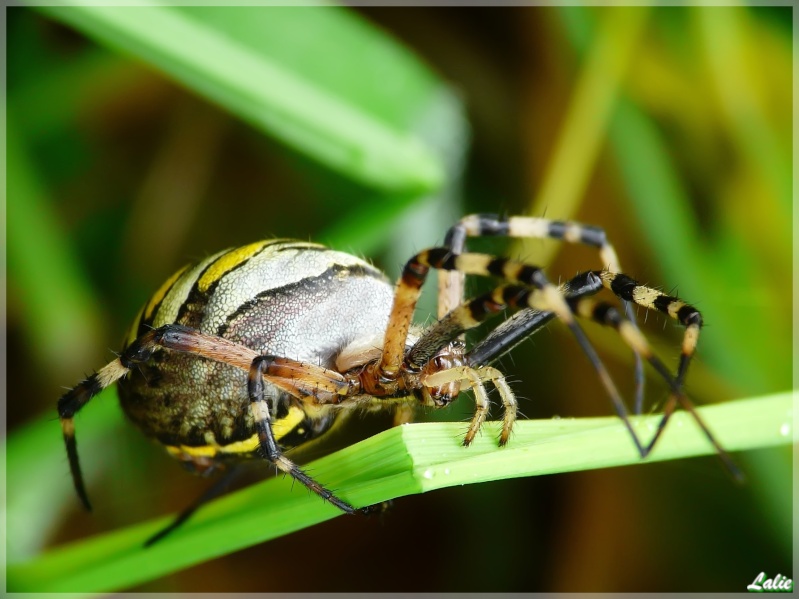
(39, 257)
(290, 105)
(401, 461)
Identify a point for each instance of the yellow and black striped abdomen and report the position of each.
(286, 298)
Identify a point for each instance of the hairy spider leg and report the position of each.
(526, 322)
(305, 381)
(530, 227)
(269, 446)
(539, 294)
(212, 492)
(407, 293)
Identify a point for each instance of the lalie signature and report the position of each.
(779, 583)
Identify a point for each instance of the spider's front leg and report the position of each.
(473, 378)
(531, 227)
(425, 354)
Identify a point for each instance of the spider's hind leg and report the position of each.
(529, 288)
(73, 401)
(216, 489)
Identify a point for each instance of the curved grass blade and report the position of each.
(401, 461)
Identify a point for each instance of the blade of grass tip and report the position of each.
(585, 120)
(546, 447)
(307, 118)
(403, 460)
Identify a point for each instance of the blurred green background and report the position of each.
(138, 141)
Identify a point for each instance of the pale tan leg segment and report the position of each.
(474, 378)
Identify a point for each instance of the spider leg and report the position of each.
(548, 297)
(307, 382)
(73, 400)
(474, 379)
(508, 335)
(528, 227)
(689, 317)
(300, 379)
(212, 492)
(474, 312)
(608, 315)
(525, 323)
(269, 446)
(408, 290)
(537, 293)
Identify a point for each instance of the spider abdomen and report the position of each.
(276, 297)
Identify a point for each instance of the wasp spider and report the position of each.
(255, 350)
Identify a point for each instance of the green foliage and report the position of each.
(240, 62)
(404, 460)
(675, 137)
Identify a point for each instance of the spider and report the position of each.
(256, 349)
